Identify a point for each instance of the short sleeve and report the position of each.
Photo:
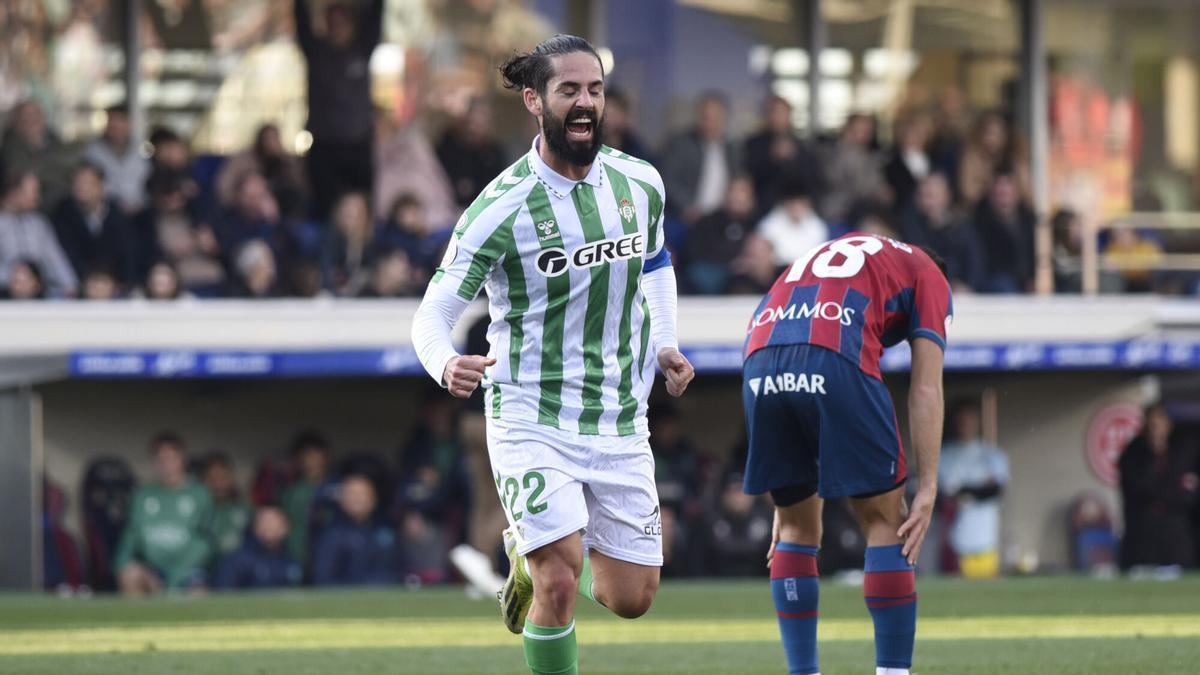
(933, 308)
(471, 252)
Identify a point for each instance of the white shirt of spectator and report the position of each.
(976, 527)
(917, 163)
(714, 178)
(790, 238)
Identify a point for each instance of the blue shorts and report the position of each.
(816, 421)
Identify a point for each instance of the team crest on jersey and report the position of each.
(625, 208)
(548, 229)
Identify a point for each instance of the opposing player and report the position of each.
(568, 243)
(822, 426)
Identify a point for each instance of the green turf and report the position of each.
(1039, 625)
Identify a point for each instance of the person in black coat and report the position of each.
(357, 548)
(908, 162)
(932, 222)
(262, 561)
(92, 230)
(776, 153)
(1005, 227)
(1158, 490)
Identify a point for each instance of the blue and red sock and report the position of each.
(889, 586)
(795, 589)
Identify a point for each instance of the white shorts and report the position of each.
(554, 482)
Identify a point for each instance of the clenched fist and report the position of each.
(677, 369)
(464, 373)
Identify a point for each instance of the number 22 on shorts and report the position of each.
(533, 483)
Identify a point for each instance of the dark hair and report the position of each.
(13, 180)
(164, 439)
(161, 135)
(309, 438)
(217, 457)
(32, 266)
(403, 201)
(119, 109)
(715, 95)
(87, 165)
(937, 260)
(534, 70)
(163, 182)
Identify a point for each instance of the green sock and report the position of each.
(585, 580)
(551, 650)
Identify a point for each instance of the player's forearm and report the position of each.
(435, 318)
(662, 298)
(925, 418)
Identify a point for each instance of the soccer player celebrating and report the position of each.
(822, 426)
(568, 243)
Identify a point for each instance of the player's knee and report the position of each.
(556, 585)
(636, 601)
(808, 534)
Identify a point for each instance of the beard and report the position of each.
(554, 131)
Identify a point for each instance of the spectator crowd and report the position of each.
(368, 209)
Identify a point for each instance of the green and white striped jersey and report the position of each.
(562, 264)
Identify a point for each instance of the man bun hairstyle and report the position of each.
(533, 69)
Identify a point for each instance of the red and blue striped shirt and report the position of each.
(855, 295)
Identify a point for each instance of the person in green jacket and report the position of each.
(311, 455)
(166, 542)
(230, 513)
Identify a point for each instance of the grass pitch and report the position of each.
(1041, 625)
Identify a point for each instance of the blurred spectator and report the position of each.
(1136, 255)
(253, 215)
(950, 121)
(344, 253)
(1158, 490)
(470, 153)
(166, 542)
(167, 232)
(340, 111)
(909, 162)
(1005, 228)
(93, 231)
(434, 494)
(357, 548)
(737, 532)
(62, 563)
(991, 150)
(1067, 229)
(792, 227)
(1093, 545)
(100, 284)
(310, 453)
(407, 165)
(407, 228)
(24, 282)
(852, 171)
(678, 474)
(619, 133)
(263, 560)
(169, 153)
(123, 167)
(698, 164)
(25, 234)
(973, 473)
(162, 282)
(754, 269)
(716, 239)
(932, 222)
(270, 159)
(392, 276)
(230, 514)
(776, 151)
(30, 145)
(255, 273)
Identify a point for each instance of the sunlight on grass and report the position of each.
(310, 634)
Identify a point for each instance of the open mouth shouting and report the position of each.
(581, 127)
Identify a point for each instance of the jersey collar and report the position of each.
(560, 186)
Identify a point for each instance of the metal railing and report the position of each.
(1093, 262)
